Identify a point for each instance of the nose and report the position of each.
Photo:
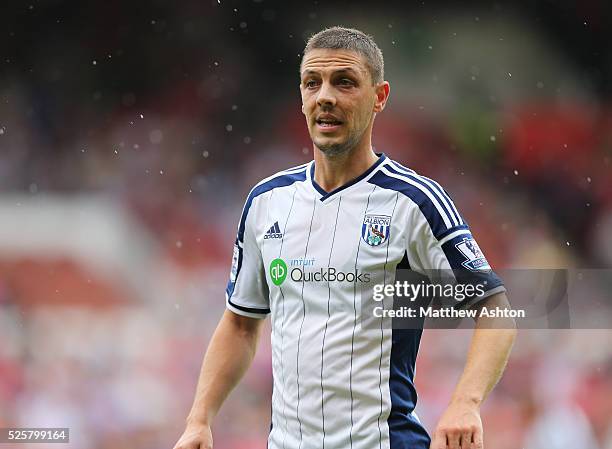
(325, 97)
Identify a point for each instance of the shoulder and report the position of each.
(284, 178)
(396, 176)
(279, 179)
(432, 200)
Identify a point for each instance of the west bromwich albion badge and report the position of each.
(375, 229)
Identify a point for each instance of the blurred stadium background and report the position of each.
(130, 134)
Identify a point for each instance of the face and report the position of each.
(339, 99)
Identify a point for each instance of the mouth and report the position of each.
(327, 124)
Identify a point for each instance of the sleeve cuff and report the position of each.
(472, 302)
(250, 312)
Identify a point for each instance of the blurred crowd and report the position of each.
(171, 115)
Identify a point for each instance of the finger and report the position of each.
(439, 440)
(454, 439)
(466, 439)
(478, 439)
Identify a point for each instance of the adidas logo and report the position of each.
(274, 232)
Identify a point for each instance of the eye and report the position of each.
(346, 82)
(310, 84)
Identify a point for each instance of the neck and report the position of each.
(332, 172)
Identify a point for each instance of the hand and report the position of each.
(195, 436)
(459, 428)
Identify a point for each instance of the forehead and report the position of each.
(321, 60)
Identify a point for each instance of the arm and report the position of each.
(460, 424)
(229, 355)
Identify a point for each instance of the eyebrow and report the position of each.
(341, 71)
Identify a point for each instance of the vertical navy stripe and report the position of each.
(297, 357)
(381, 329)
(280, 251)
(355, 323)
(331, 249)
(405, 432)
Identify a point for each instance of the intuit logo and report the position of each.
(278, 271)
(301, 262)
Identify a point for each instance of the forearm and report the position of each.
(488, 354)
(229, 355)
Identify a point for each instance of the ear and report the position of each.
(382, 95)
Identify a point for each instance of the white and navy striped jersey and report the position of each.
(338, 385)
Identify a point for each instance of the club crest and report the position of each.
(375, 229)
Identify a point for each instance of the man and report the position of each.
(308, 239)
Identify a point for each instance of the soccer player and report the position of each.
(309, 237)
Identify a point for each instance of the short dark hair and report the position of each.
(341, 38)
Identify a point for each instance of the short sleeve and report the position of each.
(439, 243)
(455, 253)
(247, 291)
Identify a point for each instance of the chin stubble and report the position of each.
(337, 149)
